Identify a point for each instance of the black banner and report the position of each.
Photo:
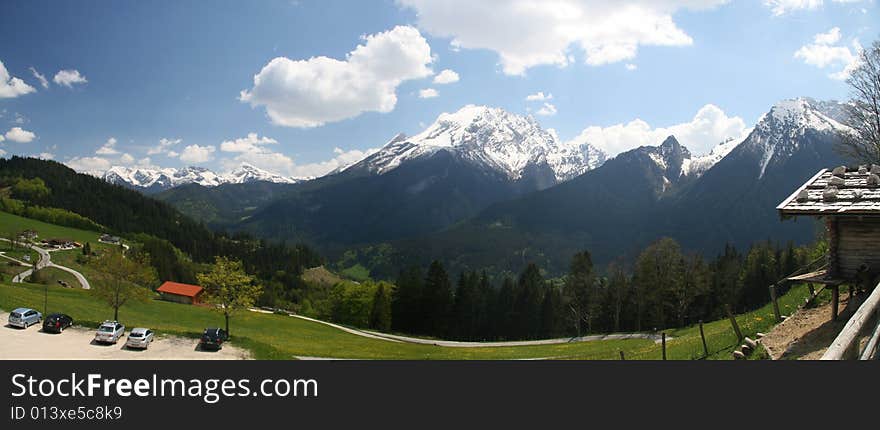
(379, 394)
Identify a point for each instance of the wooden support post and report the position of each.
(835, 301)
(663, 341)
(703, 336)
(812, 290)
(733, 323)
(622, 357)
(775, 303)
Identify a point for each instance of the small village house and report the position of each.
(106, 238)
(181, 293)
(848, 200)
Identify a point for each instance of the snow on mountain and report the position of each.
(164, 178)
(700, 164)
(779, 132)
(250, 173)
(491, 137)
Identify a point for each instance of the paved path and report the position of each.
(456, 344)
(46, 261)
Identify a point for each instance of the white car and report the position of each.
(109, 332)
(139, 338)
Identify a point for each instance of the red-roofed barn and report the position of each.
(180, 293)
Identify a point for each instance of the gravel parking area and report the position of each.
(76, 343)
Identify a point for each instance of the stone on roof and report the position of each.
(842, 191)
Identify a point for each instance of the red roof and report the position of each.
(180, 289)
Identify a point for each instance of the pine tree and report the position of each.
(406, 307)
(618, 291)
(380, 316)
(437, 300)
(465, 307)
(502, 312)
(527, 307)
(580, 291)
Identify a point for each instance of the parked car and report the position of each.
(140, 338)
(109, 332)
(213, 338)
(56, 323)
(24, 317)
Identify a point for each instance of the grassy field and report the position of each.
(272, 336)
(51, 276)
(10, 223)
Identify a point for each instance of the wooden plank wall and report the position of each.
(858, 243)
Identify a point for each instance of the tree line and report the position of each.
(663, 288)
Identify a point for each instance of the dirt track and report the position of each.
(807, 334)
(76, 343)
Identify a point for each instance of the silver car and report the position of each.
(24, 317)
(139, 338)
(109, 332)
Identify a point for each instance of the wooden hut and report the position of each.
(848, 200)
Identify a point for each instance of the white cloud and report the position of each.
(709, 127)
(782, 7)
(631, 67)
(825, 51)
(547, 110)
(252, 149)
(46, 155)
(109, 147)
(164, 146)
(11, 86)
(2, 152)
(126, 159)
(251, 143)
(313, 92)
(446, 77)
(40, 77)
(197, 153)
(539, 97)
(17, 134)
(528, 33)
(91, 165)
(428, 93)
(340, 160)
(69, 78)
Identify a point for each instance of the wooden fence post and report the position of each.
(622, 357)
(733, 323)
(663, 340)
(775, 303)
(835, 302)
(703, 336)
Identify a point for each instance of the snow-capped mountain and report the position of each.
(250, 173)
(160, 179)
(789, 124)
(697, 165)
(492, 137)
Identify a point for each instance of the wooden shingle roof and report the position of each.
(840, 191)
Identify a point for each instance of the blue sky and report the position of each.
(134, 74)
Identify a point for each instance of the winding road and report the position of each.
(457, 344)
(45, 261)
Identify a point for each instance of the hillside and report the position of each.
(272, 336)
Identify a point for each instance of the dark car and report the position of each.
(56, 323)
(213, 338)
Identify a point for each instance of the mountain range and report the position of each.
(153, 180)
(484, 188)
